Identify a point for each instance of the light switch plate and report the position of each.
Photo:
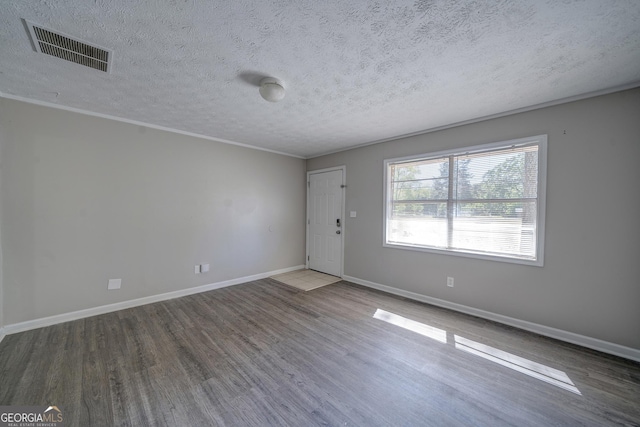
(352, 214)
(204, 268)
(114, 284)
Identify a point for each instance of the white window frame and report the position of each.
(540, 140)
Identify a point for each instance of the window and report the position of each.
(486, 201)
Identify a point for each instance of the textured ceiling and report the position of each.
(355, 71)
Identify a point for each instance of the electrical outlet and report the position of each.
(450, 282)
(204, 268)
(114, 284)
(197, 269)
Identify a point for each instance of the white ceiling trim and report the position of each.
(492, 116)
(380, 141)
(139, 123)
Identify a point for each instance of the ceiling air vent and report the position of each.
(64, 47)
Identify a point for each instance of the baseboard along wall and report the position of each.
(582, 340)
(559, 334)
(81, 314)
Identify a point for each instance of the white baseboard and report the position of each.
(2, 334)
(582, 340)
(81, 314)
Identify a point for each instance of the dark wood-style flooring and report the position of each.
(262, 353)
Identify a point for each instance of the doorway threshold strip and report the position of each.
(306, 280)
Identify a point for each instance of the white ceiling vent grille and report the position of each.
(64, 47)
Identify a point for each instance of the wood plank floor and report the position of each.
(263, 353)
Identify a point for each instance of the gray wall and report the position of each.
(86, 199)
(1, 263)
(590, 283)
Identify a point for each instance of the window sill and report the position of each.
(467, 254)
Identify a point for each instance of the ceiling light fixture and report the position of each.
(271, 89)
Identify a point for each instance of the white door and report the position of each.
(325, 222)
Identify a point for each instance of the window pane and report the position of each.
(496, 227)
(479, 201)
(505, 174)
(420, 180)
(419, 189)
(427, 225)
(403, 209)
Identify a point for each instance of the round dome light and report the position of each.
(271, 89)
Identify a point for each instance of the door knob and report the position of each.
(337, 231)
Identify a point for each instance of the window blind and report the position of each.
(482, 200)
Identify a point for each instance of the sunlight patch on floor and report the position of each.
(503, 358)
(417, 327)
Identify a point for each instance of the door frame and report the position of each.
(342, 168)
